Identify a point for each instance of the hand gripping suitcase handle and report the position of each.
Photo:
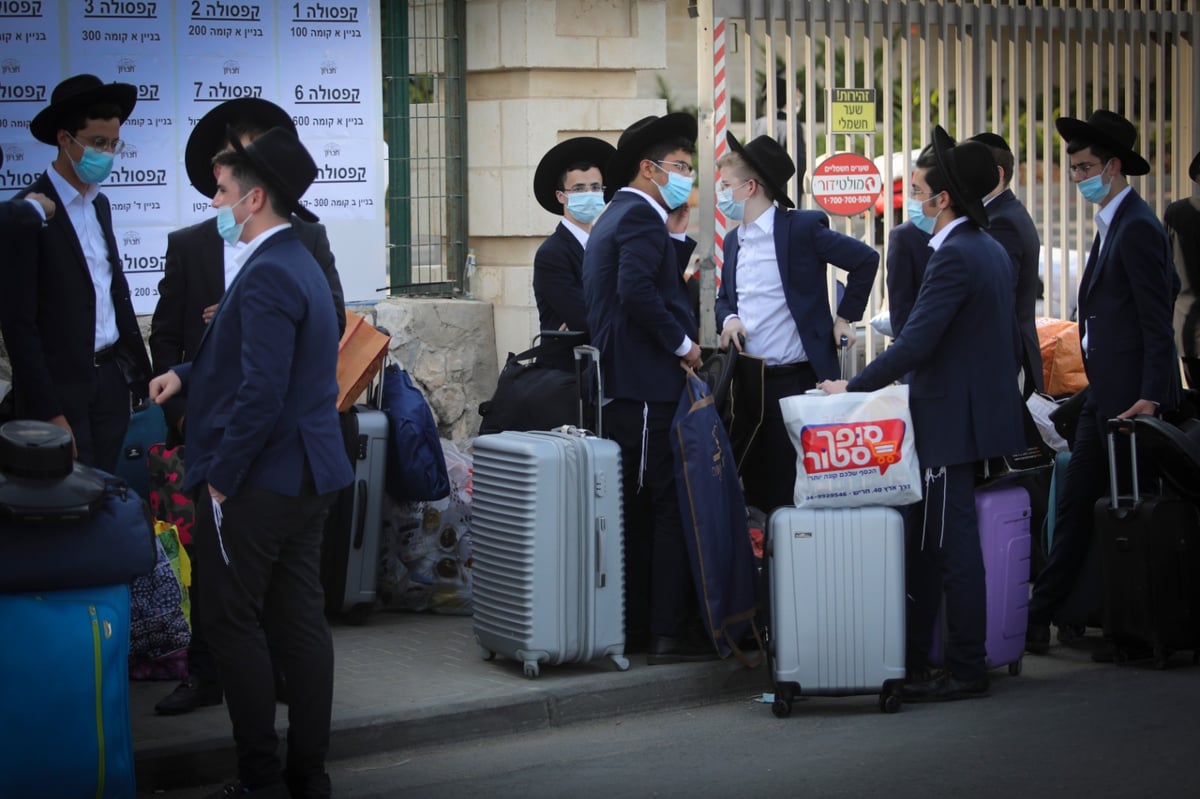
(1120, 426)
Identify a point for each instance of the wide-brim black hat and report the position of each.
(76, 94)
(969, 171)
(1109, 131)
(1194, 169)
(991, 140)
(210, 136)
(282, 162)
(635, 140)
(769, 161)
(581, 149)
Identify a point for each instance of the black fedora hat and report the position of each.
(1110, 131)
(210, 135)
(769, 161)
(1194, 169)
(969, 171)
(581, 149)
(282, 162)
(644, 133)
(991, 140)
(75, 94)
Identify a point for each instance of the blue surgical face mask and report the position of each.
(731, 208)
(585, 206)
(677, 190)
(94, 166)
(917, 215)
(1094, 189)
(228, 227)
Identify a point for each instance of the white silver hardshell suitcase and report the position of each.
(547, 548)
(837, 603)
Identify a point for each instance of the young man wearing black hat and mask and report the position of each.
(265, 458)
(76, 350)
(774, 295)
(640, 319)
(1012, 226)
(1182, 221)
(1126, 294)
(568, 183)
(962, 349)
(199, 268)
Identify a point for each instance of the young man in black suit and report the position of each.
(1012, 226)
(1126, 297)
(76, 350)
(640, 319)
(1182, 221)
(569, 183)
(199, 269)
(960, 345)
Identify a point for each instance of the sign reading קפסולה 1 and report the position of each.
(852, 111)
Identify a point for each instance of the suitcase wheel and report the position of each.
(1015, 667)
(486, 653)
(890, 702)
(782, 706)
(622, 662)
(531, 669)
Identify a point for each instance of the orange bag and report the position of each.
(360, 357)
(1062, 357)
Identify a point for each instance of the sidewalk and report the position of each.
(407, 680)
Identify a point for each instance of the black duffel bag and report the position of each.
(534, 392)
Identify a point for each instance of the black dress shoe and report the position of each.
(235, 789)
(1037, 638)
(1113, 654)
(189, 695)
(920, 675)
(944, 688)
(1068, 634)
(665, 649)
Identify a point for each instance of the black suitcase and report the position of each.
(1150, 557)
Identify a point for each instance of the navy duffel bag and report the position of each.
(64, 525)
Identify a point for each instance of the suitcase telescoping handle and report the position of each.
(845, 347)
(585, 356)
(1117, 426)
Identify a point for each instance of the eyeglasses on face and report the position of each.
(579, 188)
(1083, 167)
(113, 146)
(681, 167)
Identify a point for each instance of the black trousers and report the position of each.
(99, 421)
(944, 558)
(769, 468)
(264, 559)
(658, 581)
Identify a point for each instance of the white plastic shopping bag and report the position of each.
(853, 449)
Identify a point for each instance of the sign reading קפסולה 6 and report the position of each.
(320, 61)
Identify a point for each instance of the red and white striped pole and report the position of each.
(720, 124)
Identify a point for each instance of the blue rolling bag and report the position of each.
(66, 730)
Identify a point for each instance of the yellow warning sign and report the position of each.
(852, 111)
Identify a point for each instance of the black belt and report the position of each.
(800, 367)
(105, 355)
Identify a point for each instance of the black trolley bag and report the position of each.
(1150, 546)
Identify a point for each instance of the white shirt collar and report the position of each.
(67, 192)
(1104, 216)
(941, 235)
(764, 222)
(579, 233)
(653, 202)
(257, 241)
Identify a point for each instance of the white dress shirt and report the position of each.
(771, 332)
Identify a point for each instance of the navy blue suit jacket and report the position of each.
(907, 255)
(638, 309)
(1126, 299)
(1011, 225)
(558, 281)
(18, 216)
(961, 347)
(48, 312)
(804, 248)
(262, 386)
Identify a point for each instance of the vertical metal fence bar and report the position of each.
(457, 223)
(398, 201)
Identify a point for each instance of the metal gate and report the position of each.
(1008, 66)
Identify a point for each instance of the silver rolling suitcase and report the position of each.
(837, 603)
(547, 548)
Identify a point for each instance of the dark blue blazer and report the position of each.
(262, 386)
(558, 281)
(907, 254)
(18, 217)
(48, 313)
(1011, 225)
(1126, 298)
(804, 248)
(961, 347)
(638, 309)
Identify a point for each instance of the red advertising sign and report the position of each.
(846, 184)
(852, 445)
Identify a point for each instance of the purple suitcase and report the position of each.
(1004, 536)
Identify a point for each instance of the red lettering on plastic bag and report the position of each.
(845, 446)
